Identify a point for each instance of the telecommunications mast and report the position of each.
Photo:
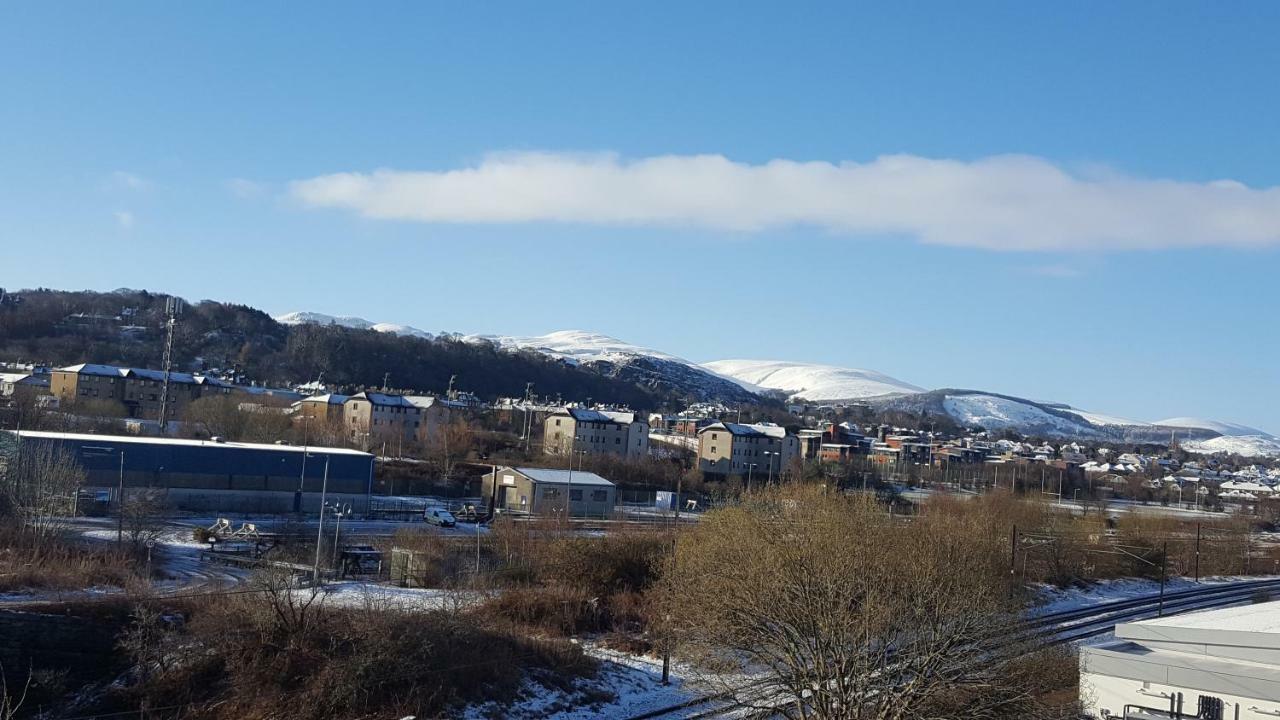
(173, 308)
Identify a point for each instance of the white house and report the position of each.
(1211, 665)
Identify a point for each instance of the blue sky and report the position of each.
(193, 149)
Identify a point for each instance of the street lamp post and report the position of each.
(324, 488)
(568, 496)
(339, 509)
(750, 468)
(770, 453)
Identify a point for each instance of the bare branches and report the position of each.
(828, 608)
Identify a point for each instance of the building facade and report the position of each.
(373, 419)
(595, 432)
(540, 491)
(736, 450)
(212, 476)
(137, 390)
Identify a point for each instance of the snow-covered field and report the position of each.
(812, 382)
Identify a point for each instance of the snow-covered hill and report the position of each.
(1246, 445)
(312, 318)
(615, 358)
(1222, 428)
(576, 345)
(816, 383)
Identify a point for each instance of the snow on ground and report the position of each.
(1055, 599)
(633, 682)
(1246, 445)
(356, 594)
(812, 382)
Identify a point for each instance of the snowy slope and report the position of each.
(1104, 420)
(1222, 428)
(1246, 445)
(305, 318)
(615, 358)
(812, 382)
(576, 345)
(995, 413)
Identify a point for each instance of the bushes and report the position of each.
(279, 654)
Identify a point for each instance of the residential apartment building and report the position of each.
(137, 390)
(731, 449)
(595, 432)
(374, 418)
(320, 409)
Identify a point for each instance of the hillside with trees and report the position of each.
(126, 327)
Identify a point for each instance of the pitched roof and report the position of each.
(143, 374)
(585, 415)
(741, 430)
(561, 477)
(329, 399)
(383, 399)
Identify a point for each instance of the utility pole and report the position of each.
(324, 487)
(173, 308)
(1164, 559)
(1013, 551)
(120, 504)
(302, 478)
(1197, 552)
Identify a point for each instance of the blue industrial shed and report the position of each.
(216, 475)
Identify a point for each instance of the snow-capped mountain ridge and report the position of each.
(312, 318)
(743, 381)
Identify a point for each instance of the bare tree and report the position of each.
(143, 511)
(38, 483)
(827, 607)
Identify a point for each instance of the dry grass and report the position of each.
(61, 564)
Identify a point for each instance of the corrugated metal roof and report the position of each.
(140, 440)
(561, 477)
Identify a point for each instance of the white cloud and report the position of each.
(1005, 202)
(128, 180)
(244, 188)
(124, 219)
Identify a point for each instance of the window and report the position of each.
(557, 422)
(599, 496)
(617, 441)
(551, 493)
(713, 448)
(575, 496)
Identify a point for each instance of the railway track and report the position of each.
(1051, 629)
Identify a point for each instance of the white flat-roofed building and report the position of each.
(1210, 665)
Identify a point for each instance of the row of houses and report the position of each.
(371, 418)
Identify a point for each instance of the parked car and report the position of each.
(440, 516)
